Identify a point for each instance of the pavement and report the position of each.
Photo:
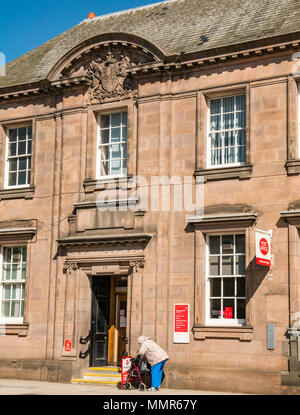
(30, 387)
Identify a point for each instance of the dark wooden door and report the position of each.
(100, 321)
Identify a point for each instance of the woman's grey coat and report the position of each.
(151, 351)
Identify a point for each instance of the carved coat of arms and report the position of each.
(108, 77)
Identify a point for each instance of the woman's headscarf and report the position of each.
(141, 339)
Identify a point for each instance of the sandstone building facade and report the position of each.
(206, 91)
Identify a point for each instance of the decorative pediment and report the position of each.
(106, 70)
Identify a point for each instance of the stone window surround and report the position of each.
(223, 223)
(219, 173)
(91, 183)
(21, 192)
(11, 236)
(293, 112)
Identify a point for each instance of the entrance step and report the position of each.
(108, 375)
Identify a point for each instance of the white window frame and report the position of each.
(11, 320)
(219, 321)
(298, 121)
(7, 159)
(98, 157)
(208, 139)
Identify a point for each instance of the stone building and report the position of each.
(183, 90)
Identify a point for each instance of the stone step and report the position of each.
(109, 375)
(102, 376)
(99, 382)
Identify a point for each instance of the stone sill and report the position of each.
(224, 173)
(243, 334)
(292, 167)
(93, 185)
(20, 330)
(22, 193)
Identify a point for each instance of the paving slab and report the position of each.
(30, 387)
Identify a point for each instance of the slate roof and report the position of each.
(175, 26)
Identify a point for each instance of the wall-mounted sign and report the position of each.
(263, 248)
(181, 323)
(68, 346)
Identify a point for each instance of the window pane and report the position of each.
(240, 103)
(115, 135)
(240, 244)
(228, 104)
(7, 292)
(215, 307)
(227, 244)
(116, 151)
(241, 309)
(15, 309)
(105, 168)
(115, 120)
(14, 274)
(228, 121)
(241, 137)
(124, 167)
(241, 154)
(240, 287)
(215, 106)
(215, 123)
(214, 245)
(22, 148)
(29, 133)
(240, 120)
(104, 152)
(22, 178)
(215, 287)
(5, 309)
(104, 136)
(13, 135)
(240, 265)
(22, 309)
(7, 254)
(12, 179)
(214, 265)
(104, 123)
(7, 270)
(23, 163)
(229, 156)
(228, 309)
(13, 165)
(22, 133)
(216, 157)
(29, 147)
(12, 149)
(228, 287)
(227, 265)
(124, 134)
(116, 167)
(229, 138)
(124, 118)
(216, 140)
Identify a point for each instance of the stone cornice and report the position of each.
(176, 63)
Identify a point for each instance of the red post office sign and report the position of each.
(263, 248)
(68, 346)
(181, 323)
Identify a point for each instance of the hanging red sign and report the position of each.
(181, 323)
(263, 248)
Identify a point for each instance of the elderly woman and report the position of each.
(156, 357)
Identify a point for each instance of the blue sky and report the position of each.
(24, 25)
